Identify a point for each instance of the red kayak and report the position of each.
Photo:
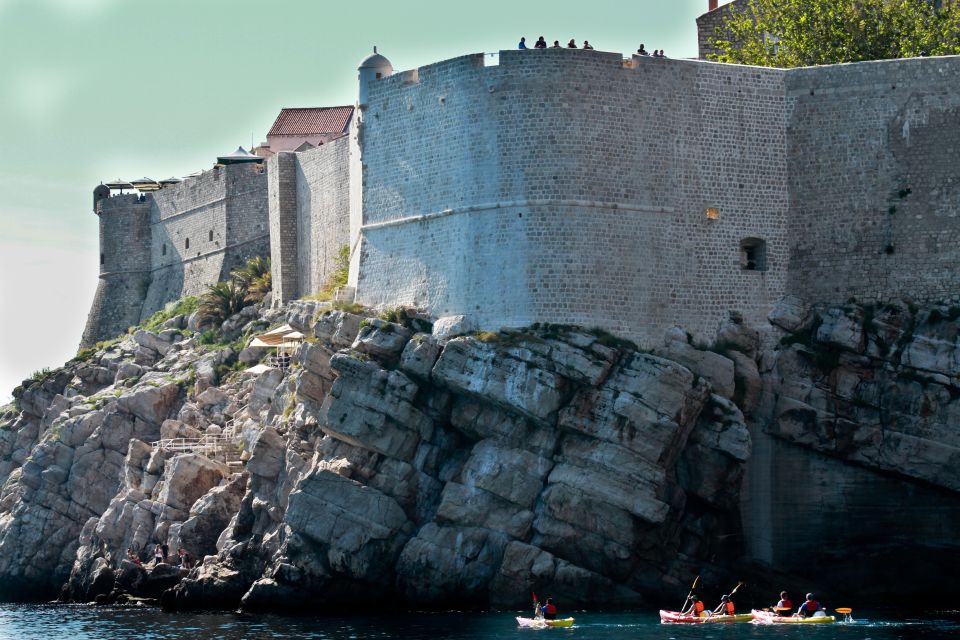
(675, 617)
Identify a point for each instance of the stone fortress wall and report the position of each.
(574, 187)
(174, 242)
(874, 181)
(571, 187)
(309, 195)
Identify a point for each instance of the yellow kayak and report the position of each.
(772, 618)
(540, 623)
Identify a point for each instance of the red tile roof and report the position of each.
(311, 121)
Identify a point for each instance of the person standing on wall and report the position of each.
(572, 44)
(523, 43)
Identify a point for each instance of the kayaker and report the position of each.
(785, 606)
(696, 608)
(725, 608)
(550, 610)
(808, 608)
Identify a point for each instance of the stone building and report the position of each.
(579, 187)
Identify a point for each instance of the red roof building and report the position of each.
(313, 125)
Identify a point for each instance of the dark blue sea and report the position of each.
(84, 622)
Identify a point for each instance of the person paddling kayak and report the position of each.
(784, 606)
(725, 608)
(549, 610)
(696, 608)
(808, 608)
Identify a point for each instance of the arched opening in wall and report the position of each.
(753, 254)
(186, 243)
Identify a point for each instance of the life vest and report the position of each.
(698, 608)
(785, 604)
(550, 610)
(812, 606)
(730, 608)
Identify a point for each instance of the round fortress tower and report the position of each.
(124, 264)
(373, 67)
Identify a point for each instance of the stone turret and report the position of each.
(373, 67)
(125, 239)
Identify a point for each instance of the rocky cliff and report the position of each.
(430, 468)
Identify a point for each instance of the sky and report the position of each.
(93, 90)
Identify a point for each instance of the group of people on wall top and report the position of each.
(642, 51)
(784, 607)
(541, 43)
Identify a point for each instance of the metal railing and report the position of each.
(221, 448)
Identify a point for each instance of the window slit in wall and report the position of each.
(753, 254)
(211, 235)
(164, 250)
(186, 244)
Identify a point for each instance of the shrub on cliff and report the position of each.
(255, 277)
(221, 301)
(800, 33)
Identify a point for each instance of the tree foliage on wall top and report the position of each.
(799, 33)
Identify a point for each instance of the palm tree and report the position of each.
(221, 301)
(255, 277)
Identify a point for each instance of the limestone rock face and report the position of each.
(477, 470)
(431, 470)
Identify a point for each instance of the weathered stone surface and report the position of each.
(447, 327)
(382, 340)
(717, 369)
(372, 408)
(841, 328)
(790, 314)
(419, 355)
(338, 328)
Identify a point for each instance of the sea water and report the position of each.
(19, 622)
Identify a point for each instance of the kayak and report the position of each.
(771, 618)
(540, 623)
(675, 617)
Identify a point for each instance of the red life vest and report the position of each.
(697, 608)
(812, 606)
(785, 604)
(730, 608)
(550, 610)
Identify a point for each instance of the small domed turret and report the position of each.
(373, 67)
(100, 192)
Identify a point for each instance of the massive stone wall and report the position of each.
(571, 187)
(309, 198)
(175, 242)
(874, 182)
(203, 228)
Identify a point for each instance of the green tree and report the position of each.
(800, 33)
(221, 301)
(255, 277)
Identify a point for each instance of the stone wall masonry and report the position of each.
(566, 186)
(323, 211)
(284, 233)
(223, 214)
(874, 182)
(124, 267)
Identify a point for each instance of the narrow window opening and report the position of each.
(211, 235)
(102, 259)
(164, 250)
(379, 75)
(187, 244)
(753, 254)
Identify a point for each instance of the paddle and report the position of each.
(689, 595)
(844, 610)
(536, 608)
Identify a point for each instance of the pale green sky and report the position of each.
(92, 90)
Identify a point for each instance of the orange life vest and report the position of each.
(730, 608)
(697, 608)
